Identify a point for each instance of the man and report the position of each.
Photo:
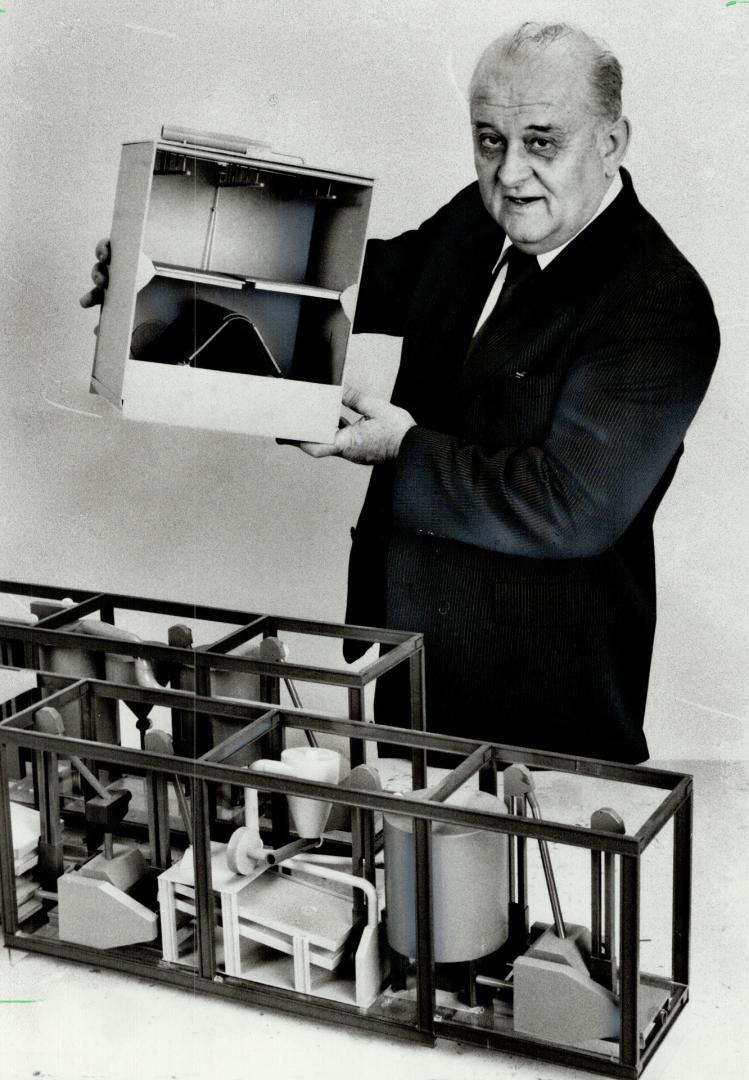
(531, 438)
(556, 346)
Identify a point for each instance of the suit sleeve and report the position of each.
(392, 269)
(641, 371)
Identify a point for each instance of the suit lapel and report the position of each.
(554, 296)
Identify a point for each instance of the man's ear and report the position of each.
(615, 143)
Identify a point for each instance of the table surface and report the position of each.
(64, 1021)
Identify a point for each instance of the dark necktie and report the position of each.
(520, 269)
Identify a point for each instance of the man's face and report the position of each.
(538, 147)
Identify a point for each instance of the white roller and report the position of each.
(244, 851)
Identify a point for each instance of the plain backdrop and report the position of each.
(374, 87)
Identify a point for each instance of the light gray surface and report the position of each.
(92, 1023)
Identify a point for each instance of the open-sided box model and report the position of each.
(232, 287)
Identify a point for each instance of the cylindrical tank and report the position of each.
(88, 665)
(81, 665)
(242, 686)
(469, 884)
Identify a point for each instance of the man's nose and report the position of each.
(514, 167)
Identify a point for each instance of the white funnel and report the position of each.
(306, 763)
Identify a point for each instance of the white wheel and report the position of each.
(243, 852)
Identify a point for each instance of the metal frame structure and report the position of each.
(19, 646)
(267, 724)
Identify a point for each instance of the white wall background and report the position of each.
(372, 86)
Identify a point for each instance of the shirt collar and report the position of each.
(544, 259)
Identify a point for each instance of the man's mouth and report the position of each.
(517, 200)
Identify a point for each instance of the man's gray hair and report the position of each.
(605, 69)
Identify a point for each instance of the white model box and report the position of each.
(231, 287)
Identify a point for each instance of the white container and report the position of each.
(84, 664)
(469, 885)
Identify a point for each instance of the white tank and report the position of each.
(469, 884)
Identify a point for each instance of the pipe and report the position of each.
(497, 984)
(301, 864)
(288, 851)
(551, 884)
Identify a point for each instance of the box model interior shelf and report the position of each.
(269, 239)
(233, 281)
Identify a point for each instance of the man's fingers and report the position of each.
(92, 298)
(100, 278)
(348, 301)
(99, 275)
(318, 450)
(345, 438)
(351, 398)
(365, 404)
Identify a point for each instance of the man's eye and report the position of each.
(488, 141)
(539, 143)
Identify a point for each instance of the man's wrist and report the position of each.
(398, 443)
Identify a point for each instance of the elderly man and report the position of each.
(556, 346)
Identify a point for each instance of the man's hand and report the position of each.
(372, 439)
(99, 276)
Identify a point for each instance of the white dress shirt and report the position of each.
(544, 259)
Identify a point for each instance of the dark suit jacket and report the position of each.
(515, 528)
